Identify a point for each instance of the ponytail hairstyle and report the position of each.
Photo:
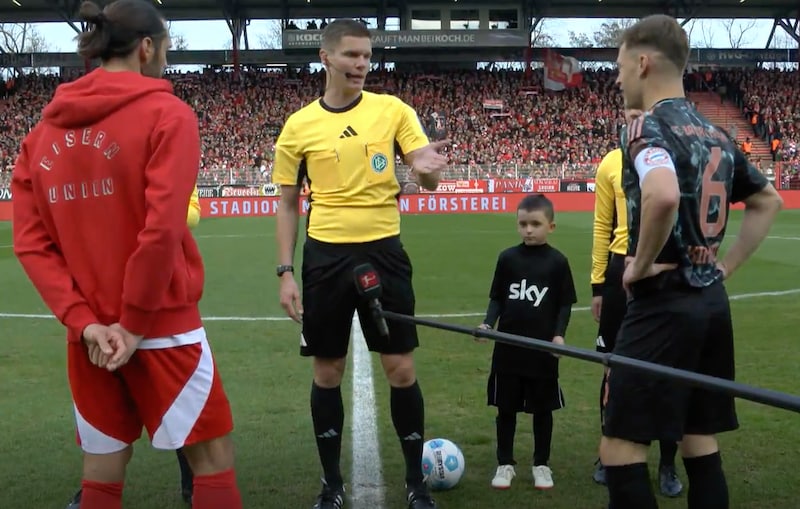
(116, 30)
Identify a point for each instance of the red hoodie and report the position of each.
(101, 188)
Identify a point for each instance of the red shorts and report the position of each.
(170, 386)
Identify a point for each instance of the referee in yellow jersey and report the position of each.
(345, 145)
(609, 300)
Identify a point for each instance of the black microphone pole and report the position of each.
(740, 390)
(377, 317)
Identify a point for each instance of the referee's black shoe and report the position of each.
(420, 498)
(330, 497)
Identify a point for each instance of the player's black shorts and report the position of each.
(670, 324)
(615, 303)
(330, 298)
(513, 393)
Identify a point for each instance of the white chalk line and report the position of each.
(366, 478)
(740, 296)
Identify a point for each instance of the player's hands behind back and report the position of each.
(101, 343)
(635, 273)
(109, 347)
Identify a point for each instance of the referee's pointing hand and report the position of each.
(429, 160)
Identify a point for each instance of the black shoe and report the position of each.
(599, 475)
(330, 498)
(420, 498)
(669, 482)
(187, 478)
(75, 503)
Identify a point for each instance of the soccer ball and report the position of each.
(442, 464)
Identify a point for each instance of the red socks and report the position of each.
(217, 491)
(100, 495)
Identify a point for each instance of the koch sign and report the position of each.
(309, 39)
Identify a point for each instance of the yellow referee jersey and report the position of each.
(610, 232)
(193, 215)
(348, 157)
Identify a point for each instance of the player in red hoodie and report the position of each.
(100, 190)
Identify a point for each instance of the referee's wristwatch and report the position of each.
(282, 269)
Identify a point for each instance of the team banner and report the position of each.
(561, 72)
(310, 39)
(410, 204)
(227, 191)
(437, 125)
(5, 194)
(523, 185)
(459, 187)
(574, 186)
(270, 190)
(208, 191)
(493, 104)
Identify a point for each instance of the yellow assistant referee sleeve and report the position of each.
(609, 232)
(193, 215)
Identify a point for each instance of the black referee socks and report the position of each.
(327, 412)
(408, 416)
(707, 486)
(629, 487)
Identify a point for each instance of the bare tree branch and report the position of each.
(706, 39)
(22, 38)
(540, 38)
(610, 32)
(737, 31)
(689, 29)
(272, 38)
(577, 40)
(782, 40)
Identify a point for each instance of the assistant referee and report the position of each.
(345, 145)
(609, 301)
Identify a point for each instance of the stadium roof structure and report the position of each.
(35, 11)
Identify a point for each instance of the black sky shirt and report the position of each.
(532, 283)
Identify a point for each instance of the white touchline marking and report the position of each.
(741, 296)
(367, 479)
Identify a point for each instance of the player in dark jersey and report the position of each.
(532, 295)
(680, 175)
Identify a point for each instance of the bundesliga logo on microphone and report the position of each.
(369, 280)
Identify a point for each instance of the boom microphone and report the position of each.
(368, 284)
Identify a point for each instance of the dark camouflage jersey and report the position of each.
(712, 173)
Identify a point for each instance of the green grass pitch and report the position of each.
(268, 382)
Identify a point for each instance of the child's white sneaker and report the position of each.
(542, 477)
(503, 476)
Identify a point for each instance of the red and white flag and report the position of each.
(561, 72)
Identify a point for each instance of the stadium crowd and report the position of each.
(501, 123)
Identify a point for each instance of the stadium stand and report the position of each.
(501, 124)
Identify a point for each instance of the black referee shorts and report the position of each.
(670, 324)
(330, 297)
(615, 303)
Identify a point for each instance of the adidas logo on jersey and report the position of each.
(348, 133)
(532, 293)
